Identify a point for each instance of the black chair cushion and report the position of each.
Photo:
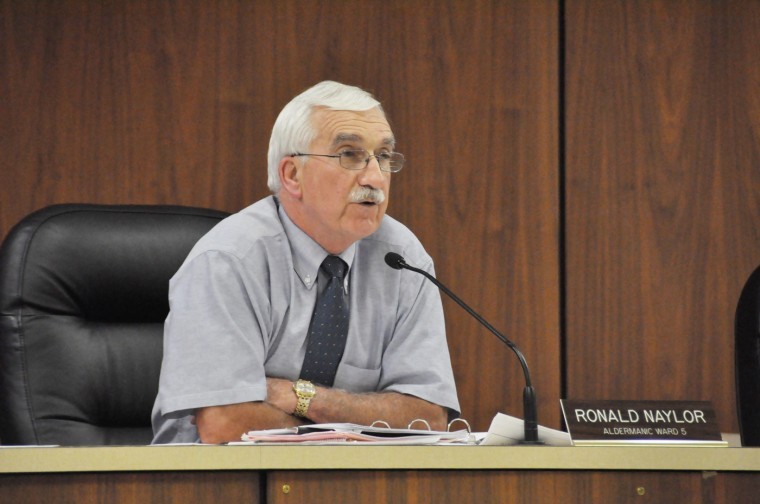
(83, 298)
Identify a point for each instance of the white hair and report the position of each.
(293, 130)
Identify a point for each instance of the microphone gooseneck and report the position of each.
(530, 421)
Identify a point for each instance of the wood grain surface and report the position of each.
(133, 488)
(570, 487)
(663, 200)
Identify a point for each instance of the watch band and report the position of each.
(305, 391)
(302, 406)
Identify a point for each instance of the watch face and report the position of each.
(305, 388)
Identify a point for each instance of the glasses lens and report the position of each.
(357, 159)
(353, 159)
(395, 162)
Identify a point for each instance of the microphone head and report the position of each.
(394, 260)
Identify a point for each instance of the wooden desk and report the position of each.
(296, 474)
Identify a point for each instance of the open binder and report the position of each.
(504, 430)
(338, 433)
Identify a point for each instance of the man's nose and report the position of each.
(372, 175)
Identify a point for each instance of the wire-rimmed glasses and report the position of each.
(358, 159)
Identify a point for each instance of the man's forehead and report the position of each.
(341, 137)
(337, 126)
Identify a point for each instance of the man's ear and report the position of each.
(290, 177)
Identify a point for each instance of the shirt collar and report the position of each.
(308, 254)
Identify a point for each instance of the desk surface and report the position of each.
(198, 457)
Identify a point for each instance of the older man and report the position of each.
(285, 313)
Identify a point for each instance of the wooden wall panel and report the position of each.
(535, 487)
(663, 207)
(124, 102)
(133, 488)
(481, 190)
(172, 102)
(333, 487)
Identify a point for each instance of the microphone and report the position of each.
(530, 422)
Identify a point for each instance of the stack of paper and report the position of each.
(341, 433)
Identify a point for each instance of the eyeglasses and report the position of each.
(358, 159)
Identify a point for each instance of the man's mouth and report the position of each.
(367, 196)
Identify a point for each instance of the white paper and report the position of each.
(347, 432)
(508, 430)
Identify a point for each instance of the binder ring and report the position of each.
(465, 422)
(419, 420)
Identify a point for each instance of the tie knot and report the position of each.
(334, 266)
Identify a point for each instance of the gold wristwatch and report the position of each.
(304, 390)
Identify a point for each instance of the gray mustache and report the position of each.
(361, 194)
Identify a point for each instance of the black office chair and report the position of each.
(83, 298)
(747, 358)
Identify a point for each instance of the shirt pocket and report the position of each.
(355, 379)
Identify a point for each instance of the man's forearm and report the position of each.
(331, 405)
(398, 410)
(222, 424)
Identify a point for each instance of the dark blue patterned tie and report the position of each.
(329, 327)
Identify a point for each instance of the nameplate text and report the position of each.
(641, 422)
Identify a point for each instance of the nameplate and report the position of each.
(641, 422)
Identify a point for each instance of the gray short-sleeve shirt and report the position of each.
(241, 305)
